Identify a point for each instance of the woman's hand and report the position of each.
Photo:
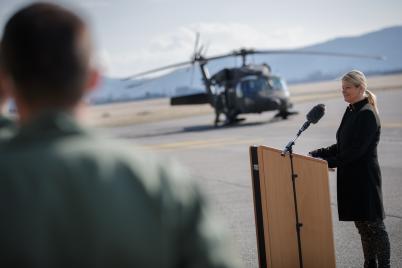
(315, 153)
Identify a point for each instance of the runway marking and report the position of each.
(320, 96)
(222, 142)
(184, 143)
(199, 144)
(303, 97)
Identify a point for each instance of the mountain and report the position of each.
(383, 43)
(294, 68)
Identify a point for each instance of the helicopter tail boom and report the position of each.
(199, 98)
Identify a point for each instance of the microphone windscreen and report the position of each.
(316, 113)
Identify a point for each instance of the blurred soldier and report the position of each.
(71, 199)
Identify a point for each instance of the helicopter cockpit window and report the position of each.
(276, 83)
(254, 85)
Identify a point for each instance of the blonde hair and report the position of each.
(357, 78)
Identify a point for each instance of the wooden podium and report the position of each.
(275, 213)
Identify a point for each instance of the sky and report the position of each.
(132, 36)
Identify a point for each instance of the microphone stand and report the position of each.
(289, 149)
(289, 146)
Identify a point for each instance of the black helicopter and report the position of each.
(251, 88)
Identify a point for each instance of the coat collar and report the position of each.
(358, 105)
(49, 124)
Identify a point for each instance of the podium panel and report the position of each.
(275, 210)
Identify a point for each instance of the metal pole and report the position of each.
(298, 224)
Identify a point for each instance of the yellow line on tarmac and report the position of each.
(218, 143)
(335, 93)
(319, 96)
(199, 144)
(185, 143)
(202, 143)
(250, 142)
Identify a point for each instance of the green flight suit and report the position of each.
(71, 199)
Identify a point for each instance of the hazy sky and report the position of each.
(136, 35)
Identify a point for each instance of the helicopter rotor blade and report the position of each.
(158, 69)
(199, 53)
(318, 53)
(197, 40)
(244, 52)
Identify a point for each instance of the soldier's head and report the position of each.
(46, 57)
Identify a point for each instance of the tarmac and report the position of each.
(219, 160)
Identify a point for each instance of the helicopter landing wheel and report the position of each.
(282, 114)
(285, 114)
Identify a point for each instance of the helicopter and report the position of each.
(250, 88)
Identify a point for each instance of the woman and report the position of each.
(358, 172)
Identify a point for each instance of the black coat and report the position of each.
(355, 157)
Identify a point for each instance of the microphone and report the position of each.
(313, 116)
